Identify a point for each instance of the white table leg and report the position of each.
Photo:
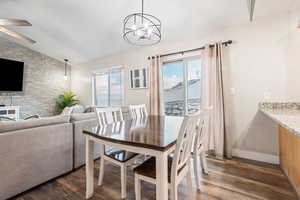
(89, 168)
(123, 182)
(101, 170)
(162, 176)
(102, 165)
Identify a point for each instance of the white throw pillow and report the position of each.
(67, 111)
(78, 109)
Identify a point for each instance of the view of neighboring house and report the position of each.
(175, 105)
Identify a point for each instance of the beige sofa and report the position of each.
(33, 152)
(80, 122)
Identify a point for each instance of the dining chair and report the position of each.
(199, 152)
(138, 111)
(109, 115)
(179, 166)
(116, 156)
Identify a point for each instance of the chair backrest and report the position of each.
(202, 129)
(184, 143)
(138, 111)
(109, 115)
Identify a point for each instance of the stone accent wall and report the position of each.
(43, 80)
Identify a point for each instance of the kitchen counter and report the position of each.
(285, 114)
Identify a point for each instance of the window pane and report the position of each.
(173, 88)
(136, 73)
(194, 86)
(101, 89)
(144, 77)
(137, 83)
(116, 89)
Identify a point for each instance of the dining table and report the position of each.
(152, 136)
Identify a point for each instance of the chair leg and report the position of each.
(123, 181)
(101, 171)
(196, 170)
(137, 187)
(173, 192)
(203, 163)
(190, 182)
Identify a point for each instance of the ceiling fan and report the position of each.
(15, 22)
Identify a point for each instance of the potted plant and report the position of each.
(64, 100)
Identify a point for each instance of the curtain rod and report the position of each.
(191, 50)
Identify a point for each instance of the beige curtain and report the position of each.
(213, 97)
(156, 102)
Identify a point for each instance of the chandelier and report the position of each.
(142, 29)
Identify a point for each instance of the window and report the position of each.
(108, 87)
(182, 86)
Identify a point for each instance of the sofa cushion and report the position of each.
(6, 126)
(78, 109)
(89, 109)
(82, 116)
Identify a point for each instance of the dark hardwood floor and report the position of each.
(235, 179)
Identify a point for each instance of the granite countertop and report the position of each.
(285, 114)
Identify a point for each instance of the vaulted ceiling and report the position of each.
(84, 30)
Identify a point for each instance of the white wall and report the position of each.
(263, 59)
(293, 58)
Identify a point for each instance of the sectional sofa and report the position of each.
(35, 151)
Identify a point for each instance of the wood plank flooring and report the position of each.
(235, 179)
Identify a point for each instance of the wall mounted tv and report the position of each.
(11, 75)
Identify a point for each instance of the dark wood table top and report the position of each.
(154, 132)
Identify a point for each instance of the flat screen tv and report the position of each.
(11, 75)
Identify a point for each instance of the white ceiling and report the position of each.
(82, 30)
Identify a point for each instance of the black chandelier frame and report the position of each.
(153, 21)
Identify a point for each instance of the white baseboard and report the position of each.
(268, 158)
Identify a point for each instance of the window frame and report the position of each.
(108, 71)
(184, 60)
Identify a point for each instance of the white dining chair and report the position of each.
(179, 166)
(138, 111)
(199, 152)
(119, 157)
(109, 115)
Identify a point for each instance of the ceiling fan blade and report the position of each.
(14, 22)
(16, 35)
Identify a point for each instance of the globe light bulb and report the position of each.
(133, 27)
(149, 31)
(139, 32)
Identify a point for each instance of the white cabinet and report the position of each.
(12, 112)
